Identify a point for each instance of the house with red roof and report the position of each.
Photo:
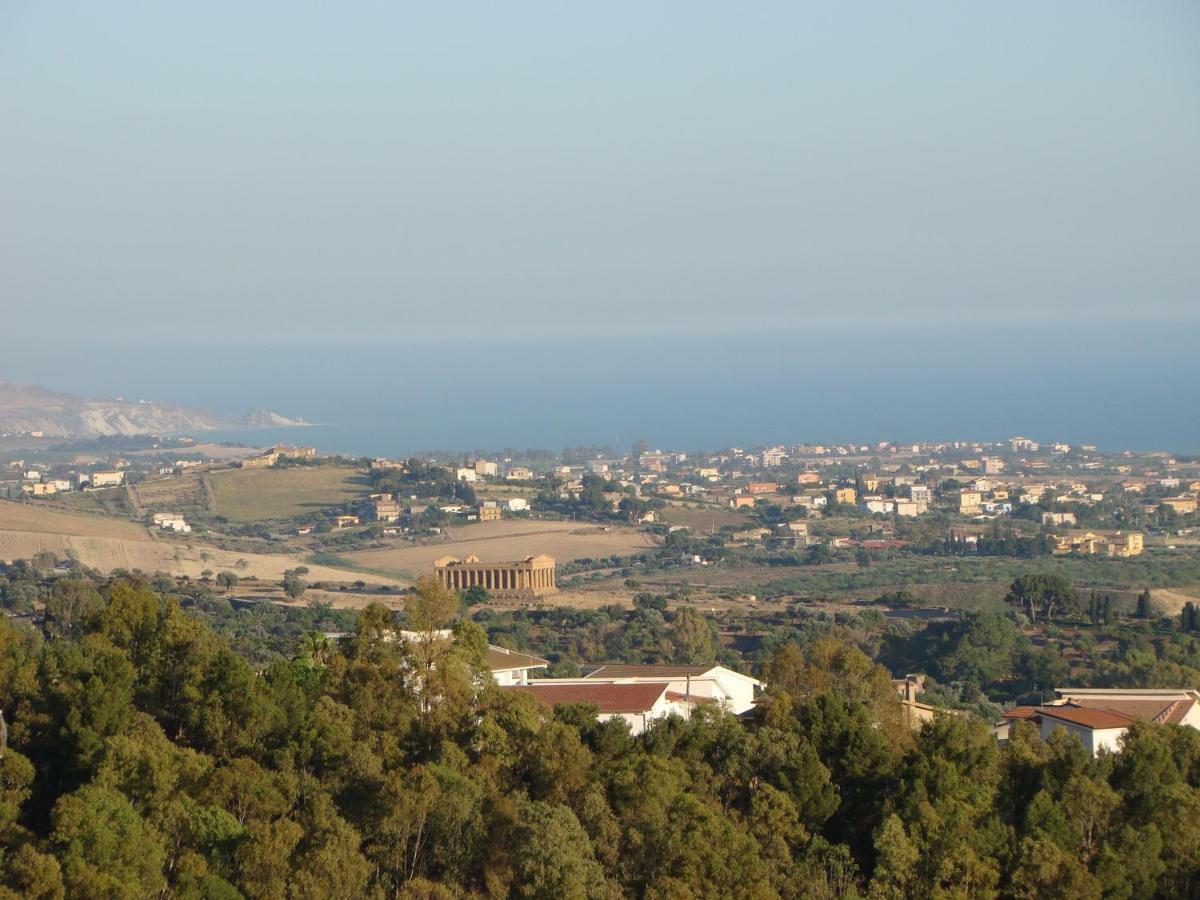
(638, 704)
(732, 690)
(1099, 717)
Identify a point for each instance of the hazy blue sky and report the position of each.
(696, 221)
(418, 170)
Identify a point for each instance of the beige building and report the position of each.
(1182, 505)
(969, 502)
(528, 578)
(262, 461)
(107, 479)
(1129, 543)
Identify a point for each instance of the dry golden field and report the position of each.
(1170, 601)
(248, 495)
(107, 544)
(510, 539)
(35, 518)
(702, 518)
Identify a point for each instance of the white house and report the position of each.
(104, 479)
(465, 474)
(639, 704)
(733, 690)
(1099, 717)
(510, 667)
(516, 504)
(172, 522)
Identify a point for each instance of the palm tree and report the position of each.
(316, 648)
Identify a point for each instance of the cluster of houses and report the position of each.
(47, 481)
(644, 694)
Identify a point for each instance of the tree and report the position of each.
(1043, 594)
(106, 848)
(476, 595)
(294, 586)
(227, 580)
(72, 607)
(647, 600)
(693, 637)
(1143, 605)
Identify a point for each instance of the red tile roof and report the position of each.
(1088, 718)
(608, 697)
(1162, 712)
(1021, 712)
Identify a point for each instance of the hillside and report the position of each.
(106, 543)
(29, 408)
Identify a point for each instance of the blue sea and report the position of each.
(1116, 387)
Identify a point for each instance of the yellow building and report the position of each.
(969, 502)
(1122, 544)
(845, 495)
(1182, 505)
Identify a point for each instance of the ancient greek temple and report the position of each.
(532, 576)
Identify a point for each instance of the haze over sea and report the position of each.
(1118, 387)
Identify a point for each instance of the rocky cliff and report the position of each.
(27, 408)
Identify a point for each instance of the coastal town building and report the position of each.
(1058, 518)
(847, 495)
(1182, 505)
(102, 479)
(384, 508)
(1122, 544)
